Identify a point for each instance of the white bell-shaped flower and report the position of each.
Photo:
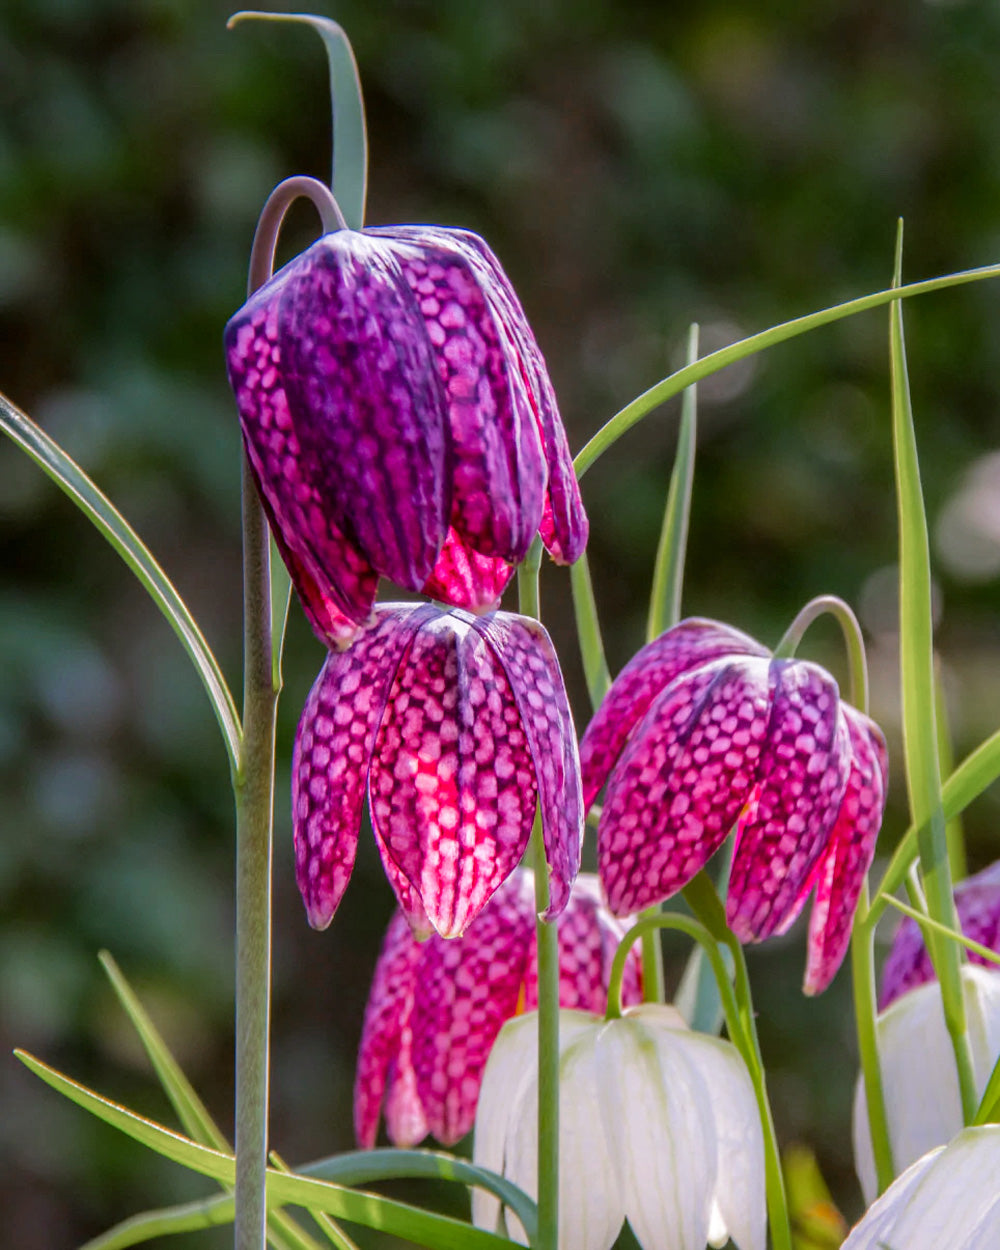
(657, 1125)
(948, 1200)
(919, 1081)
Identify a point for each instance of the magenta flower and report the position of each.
(456, 725)
(436, 1007)
(977, 901)
(400, 422)
(703, 730)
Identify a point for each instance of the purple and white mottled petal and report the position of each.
(564, 527)
(367, 402)
(465, 578)
(527, 656)
(499, 471)
(977, 902)
(333, 748)
(452, 783)
(681, 781)
(690, 643)
(849, 853)
(313, 546)
(466, 990)
(801, 782)
(320, 601)
(385, 1038)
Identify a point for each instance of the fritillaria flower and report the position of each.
(657, 1125)
(455, 725)
(703, 730)
(977, 902)
(435, 1007)
(399, 420)
(919, 1082)
(947, 1200)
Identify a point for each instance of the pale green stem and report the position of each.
(742, 1033)
(254, 787)
(953, 830)
(547, 943)
(588, 632)
(857, 663)
(865, 1015)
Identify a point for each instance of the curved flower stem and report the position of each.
(547, 943)
(742, 1033)
(857, 662)
(865, 1019)
(588, 632)
(253, 786)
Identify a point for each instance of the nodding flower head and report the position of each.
(400, 421)
(703, 730)
(436, 1007)
(457, 726)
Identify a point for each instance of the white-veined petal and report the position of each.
(659, 1122)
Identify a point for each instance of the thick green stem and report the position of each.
(254, 789)
(865, 1017)
(547, 939)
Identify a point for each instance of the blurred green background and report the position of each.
(636, 166)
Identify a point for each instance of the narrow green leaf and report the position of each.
(668, 572)
(953, 935)
(954, 831)
(920, 740)
(334, 1233)
(101, 512)
(588, 632)
(438, 1232)
(188, 1217)
(658, 394)
(988, 1111)
(350, 139)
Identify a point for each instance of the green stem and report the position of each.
(866, 1023)
(254, 790)
(588, 632)
(547, 945)
(742, 1033)
(857, 663)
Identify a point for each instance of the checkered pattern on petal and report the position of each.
(333, 748)
(679, 786)
(686, 646)
(849, 853)
(465, 578)
(526, 653)
(800, 785)
(385, 1068)
(452, 784)
(367, 402)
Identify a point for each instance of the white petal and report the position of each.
(740, 1198)
(872, 1229)
(949, 1200)
(659, 1121)
(916, 1054)
(505, 1078)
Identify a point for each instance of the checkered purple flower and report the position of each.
(436, 1007)
(400, 422)
(704, 730)
(977, 902)
(456, 725)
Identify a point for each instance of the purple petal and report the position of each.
(384, 1057)
(588, 939)
(452, 785)
(681, 781)
(850, 851)
(329, 623)
(977, 901)
(367, 402)
(685, 646)
(333, 748)
(466, 990)
(465, 578)
(332, 578)
(526, 653)
(800, 785)
(499, 472)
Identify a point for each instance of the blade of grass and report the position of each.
(109, 522)
(334, 1234)
(438, 1232)
(920, 739)
(658, 394)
